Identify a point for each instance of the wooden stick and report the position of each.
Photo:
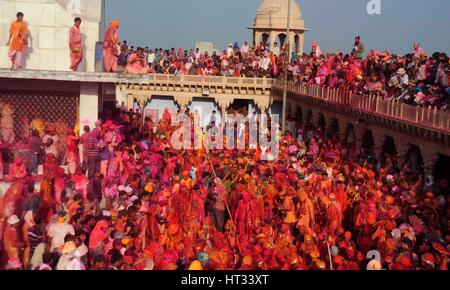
(329, 255)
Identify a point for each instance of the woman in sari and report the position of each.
(110, 51)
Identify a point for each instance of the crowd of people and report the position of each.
(119, 196)
(414, 78)
(128, 200)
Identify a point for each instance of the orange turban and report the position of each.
(247, 261)
(114, 23)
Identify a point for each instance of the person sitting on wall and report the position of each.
(137, 63)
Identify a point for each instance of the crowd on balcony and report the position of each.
(414, 78)
(130, 201)
(234, 61)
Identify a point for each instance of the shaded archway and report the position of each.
(265, 38)
(333, 128)
(281, 39)
(368, 143)
(388, 152)
(299, 114)
(321, 123)
(414, 158)
(441, 168)
(296, 43)
(309, 117)
(389, 146)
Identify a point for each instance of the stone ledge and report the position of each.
(122, 78)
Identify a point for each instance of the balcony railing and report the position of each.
(196, 80)
(428, 116)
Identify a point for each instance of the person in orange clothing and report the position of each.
(75, 45)
(18, 39)
(110, 51)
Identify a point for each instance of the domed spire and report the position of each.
(272, 14)
(271, 21)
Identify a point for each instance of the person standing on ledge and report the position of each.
(110, 50)
(18, 39)
(75, 45)
(358, 48)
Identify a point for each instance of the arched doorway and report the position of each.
(265, 39)
(309, 116)
(441, 171)
(388, 151)
(389, 146)
(368, 143)
(296, 44)
(299, 114)
(321, 123)
(281, 39)
(414, 158)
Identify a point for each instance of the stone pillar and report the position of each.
(88, 105)
(272, 38)
(130, 101)
(301, 40)
(291, 43)
(257, 37)
(121, 96)
(360, 129)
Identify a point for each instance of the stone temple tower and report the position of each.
(271, 22)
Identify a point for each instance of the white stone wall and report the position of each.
(49, 22)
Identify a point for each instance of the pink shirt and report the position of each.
(75, 38)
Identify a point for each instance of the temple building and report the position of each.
(270, 25)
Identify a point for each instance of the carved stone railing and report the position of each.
(426, 117)
(164, 80)
(136, 79)
(185, 87)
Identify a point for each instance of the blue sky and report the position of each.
(333, 23)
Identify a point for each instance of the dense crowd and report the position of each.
(414, 78)
(129, 200)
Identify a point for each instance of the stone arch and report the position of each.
(299, 114)
(389, 147)
(281, 39)
(296, 44)
(368, 142)
(334, 125)
(264, 38)
(414, 158)
(309, 117)
(321, 121)
(440, 170)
